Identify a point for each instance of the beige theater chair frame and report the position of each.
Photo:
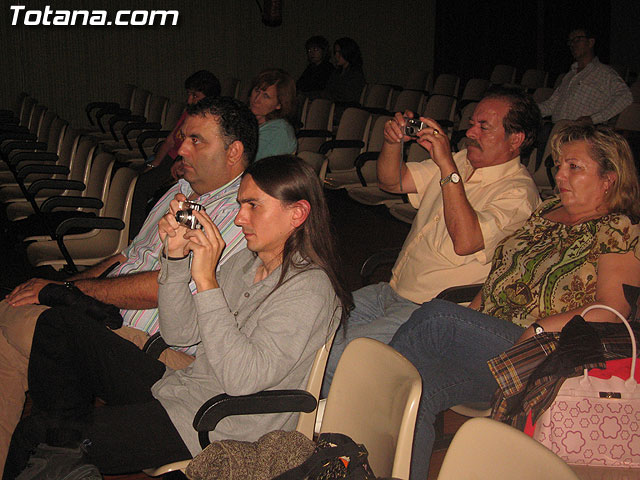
(251, 404)
(374, 399)
(106, 239)
(485, 449)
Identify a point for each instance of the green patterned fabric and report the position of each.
(546, 268)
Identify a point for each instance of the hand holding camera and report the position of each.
(173, 226)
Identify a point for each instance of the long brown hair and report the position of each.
(290, 179)
(286, 88)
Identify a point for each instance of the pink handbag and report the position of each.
(595, 421)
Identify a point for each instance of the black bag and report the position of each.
(335, 457)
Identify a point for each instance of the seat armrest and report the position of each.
(378, 259)
(109, 223)
(268, 401)
(56, 184)
(314, 133)
(135, 126)
(361, 160)
(18, 157)
(461, 293)
(123, 118)
(58, 201)
(96, 106)
(331, 144)
(144, 136)
(26, 170)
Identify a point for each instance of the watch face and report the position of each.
(539, 330)
(455, 178)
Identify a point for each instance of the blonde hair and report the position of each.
(613, 154)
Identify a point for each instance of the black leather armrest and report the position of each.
(58, 201)
(361, 160)
(268, 401)
(144, 136)
(107, 223)
(123, 118)
(58, 184)
(461, 293)
(96, 106)
(314, 133)
(137, 126)
(26, 170)
(18, 140)
(111, 109)
(18, 157)
(331, 144)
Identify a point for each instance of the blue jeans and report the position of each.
(379, 311)
(449, 345)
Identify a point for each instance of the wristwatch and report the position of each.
(537, 328)
(452, 177)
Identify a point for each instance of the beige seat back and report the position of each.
(306, 421)
(440, 107)
(157, 109)
(532, 79)
(408, 100)
(140, 101)
(354, 125)
(378, 96)
(90, 248)
(474, 90)
(446, 84)
(319, 116)
(374, 399)
(485, 449)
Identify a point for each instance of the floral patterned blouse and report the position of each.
(546, 267)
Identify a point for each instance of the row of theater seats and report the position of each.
(345, 156)
(68, 181)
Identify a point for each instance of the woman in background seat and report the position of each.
(273, 101)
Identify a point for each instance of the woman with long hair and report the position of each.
(272, 100)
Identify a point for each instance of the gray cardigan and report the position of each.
(247, 340)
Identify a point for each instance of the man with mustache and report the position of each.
(466, 203)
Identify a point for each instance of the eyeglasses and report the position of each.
(575, 39)
(314, 49)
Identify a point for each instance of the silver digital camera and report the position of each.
(185, 215)
(412, 126)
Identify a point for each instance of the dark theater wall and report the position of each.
(66, 67)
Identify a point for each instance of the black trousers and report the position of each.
(75, 359)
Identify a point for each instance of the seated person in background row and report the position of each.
(590, 91)
(576, 250)
(273, 101)
(466, 203)
(221, 136)
(315, 77)
(166, 165)
(347, 80)
(257, 324)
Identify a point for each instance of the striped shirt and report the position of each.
(143, 254)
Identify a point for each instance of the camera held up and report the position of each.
(185, 215)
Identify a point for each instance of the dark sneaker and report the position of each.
(58, 463)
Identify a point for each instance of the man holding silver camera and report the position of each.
(466, 204)
(221, 137)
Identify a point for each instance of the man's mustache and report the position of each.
(473, 143)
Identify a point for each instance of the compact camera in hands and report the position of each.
(412, 126)
(185, 215)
